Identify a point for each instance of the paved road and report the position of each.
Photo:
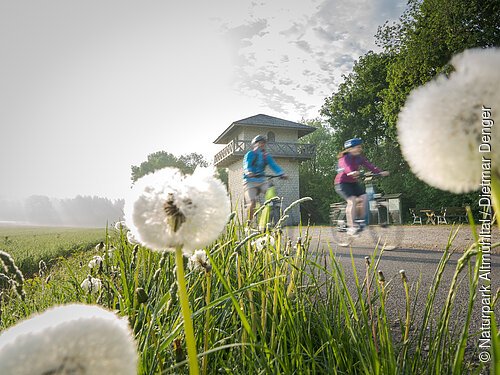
(419, 264)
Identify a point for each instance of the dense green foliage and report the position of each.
(428, 34)
(186, 163)
(316, 174)
(161, 159)
(367, 103)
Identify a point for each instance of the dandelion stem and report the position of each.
(369, 298)
(186, 313)
(208, 318)
(408, 317)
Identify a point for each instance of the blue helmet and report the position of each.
(258, 138)
(353, 142)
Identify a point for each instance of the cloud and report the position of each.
(303, 45)
(329, 35)
(343, 60)
(244, 33)
(303, 49)
(130, 73)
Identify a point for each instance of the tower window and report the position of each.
(271, 137)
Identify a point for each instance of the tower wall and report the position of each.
(287, 189)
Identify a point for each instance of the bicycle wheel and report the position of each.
(338, 227)
(340, 235)
(388, 234)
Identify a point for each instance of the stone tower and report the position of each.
(282, 144)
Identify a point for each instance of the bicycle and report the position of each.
(270, 210)
(385, 230)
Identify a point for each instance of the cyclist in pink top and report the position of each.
(346, 181)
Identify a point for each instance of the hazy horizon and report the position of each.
(90, 88)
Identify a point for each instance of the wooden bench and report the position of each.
(455, 214)
(337, 212)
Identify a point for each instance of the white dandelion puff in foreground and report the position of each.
(167, 209)
(442, 124)
(71, 339)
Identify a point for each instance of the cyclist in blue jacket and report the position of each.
(351, 159)
(254, 164)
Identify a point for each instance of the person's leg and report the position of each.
(362, 201)
(250, 200)
(251, 209)
(252, 191)
(350, 211)
(345, 190)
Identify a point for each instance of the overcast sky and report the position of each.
(89, 88)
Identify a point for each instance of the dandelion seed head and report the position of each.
(69, 339)
(96, 261)
(167, 209)
(440, 126)
(199, 261)
(262, 242)
(403, 275)
(120, 225)
(91, 284)
(131, 239)
(42, 266)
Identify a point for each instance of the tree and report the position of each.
(427, 35)
(415, 49)
(39, 210)
(316, 174)
(420, 46)
(355, 110)
(161, 159)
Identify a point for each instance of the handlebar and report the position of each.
(368, 176)
(270, 176)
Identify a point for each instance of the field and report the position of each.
(29, 245)
(263, 306)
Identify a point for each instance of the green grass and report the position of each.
(29, 245)
(281, 310)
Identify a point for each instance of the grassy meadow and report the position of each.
(260, 307)
(28, 245)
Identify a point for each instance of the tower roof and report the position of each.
(263, 121)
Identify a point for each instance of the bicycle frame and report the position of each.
(374, 197)
(384, 232)
(270, 213)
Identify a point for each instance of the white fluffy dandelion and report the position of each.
(199, 261)
(100, 246)
(71, 339)
(91, 284)
(441, 126)
(120, 225)
(262, 242)
(167, 209)
(96, 261)
(111, 252)
(131, 239)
